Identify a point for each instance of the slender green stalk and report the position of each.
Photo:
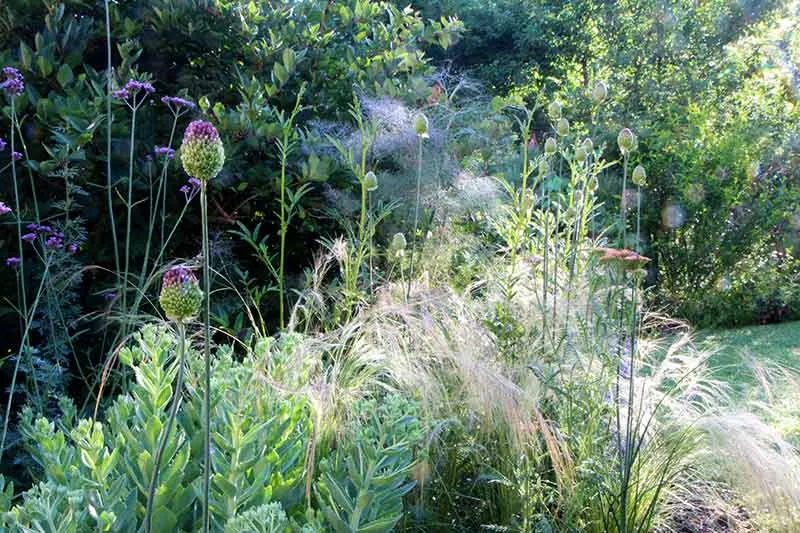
(416, 218)
(176, 401)
(207, 357)
(129, 206)
(622, 217)
(284, 229)
(163, 182)
(109, 180)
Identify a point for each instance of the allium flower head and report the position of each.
(639, 176)
(550, 146)
(599, 92)
(180, 296)
(562, 128)
(421, 126)
(371, 181)
(14, 83)
(554, 110)
(626, 141)
(202, 152)
(4, 209)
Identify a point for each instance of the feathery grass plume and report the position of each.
(203, 156)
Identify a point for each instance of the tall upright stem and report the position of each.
(109, 180)
(176, 400)
(622, 217)
(207, 357)
(416, 218)
(284, 228)
(129, 207)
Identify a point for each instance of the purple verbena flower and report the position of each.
(166, 151)
(2, 144)
(134, 86)
(121, 94)
(12, 261)
(33, 226)
(14, 83)
(4, 209)
(54, 242)
(30, 237)
(73, 248)
(190, 188)
(109, 295)
(178, 102)
(16, 156)
(195, 183)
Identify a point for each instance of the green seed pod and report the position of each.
(639, 177)
(580, 154)
(599, 92)
(592, 185)
(421, 126)
(371, 181)
(550, 146)
(398, 242)
(554, 110)
(562, 128)
(588, 145)
(180, 296)
(202, 151)
(626, 141)
(577, 196)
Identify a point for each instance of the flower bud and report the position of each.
(639, 176)
(588, 145)
(180, 296)
(577, 196)
(593, 184)
(398, 242)
(421, 126)
(626, 140)
(599, 92)
(202, 152)
(554, 110)
(371, 181)
(550, 146)
(562, 128)
(580, 154)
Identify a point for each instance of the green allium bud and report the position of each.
(577, 196)
(593, 184)
(202, 152)
(639, 177)
(563, 127)
(626, 140)
(580, 154)
(588, 145)
(371, 181)
(550, 146)
(421, 126)
(554, 110)
(180, 296)
(544, 167)
(398, 242)
(599, 92)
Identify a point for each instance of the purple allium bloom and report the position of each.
(30, 237)
(4, 209)
(16, 156)
(202, 151)
(12, 261)
(2, 144)
(200, 129)
(165, 151)
(180, 296)
(178, 102)
(14, 83)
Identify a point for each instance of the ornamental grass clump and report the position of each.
(202, 156)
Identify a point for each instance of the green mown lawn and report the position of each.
(776, 345)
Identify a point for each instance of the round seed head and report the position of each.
(180, 296)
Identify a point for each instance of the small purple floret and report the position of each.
(16, 156)
(30, 237)
(14, 83)
(12, 261)
(178, 102)
(4, 209)
(2, 144)
(166, 151)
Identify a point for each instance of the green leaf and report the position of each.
(65, 76)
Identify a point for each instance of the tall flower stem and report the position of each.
(109, 180)
(176, 401)
(622, 217)
(207, 358)
(129, 206)
(416, 218)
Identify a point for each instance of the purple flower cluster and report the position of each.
(4, 209)
(2, 144)
(202, 130)
(14, 84)
(133, 87)
(190, 188)
(178, 102)
(12, 261)
(53, 239)
(166, 151)
(16, 156)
